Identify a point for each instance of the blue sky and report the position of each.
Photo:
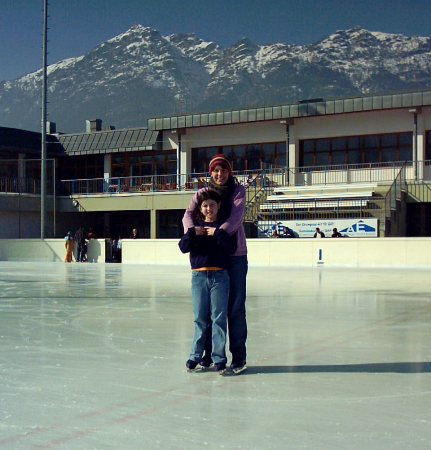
(77, 26)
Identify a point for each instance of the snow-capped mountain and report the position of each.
(141, 74)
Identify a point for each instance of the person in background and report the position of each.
(231, 213)
(119, 249)
(91, 234)
(69, 244)
(319, 234)
(336, 233)
(209, 258)
(81, 243)
(116, 249)
(135, 234)
(289, 233)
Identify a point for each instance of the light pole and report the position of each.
(43, 140)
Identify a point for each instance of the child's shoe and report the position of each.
(205, 363)
(220, 368)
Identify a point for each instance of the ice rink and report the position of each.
(93, 357)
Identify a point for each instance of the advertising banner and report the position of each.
(306, 228)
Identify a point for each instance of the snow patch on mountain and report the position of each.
(140, 74)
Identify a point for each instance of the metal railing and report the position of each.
(394, 194)
(132, 185)
(348, 173)
(273, 177)
(23, 185)
(142, 184)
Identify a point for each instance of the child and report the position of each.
(209, 256)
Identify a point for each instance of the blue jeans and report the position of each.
(236, 314)
(210, 294)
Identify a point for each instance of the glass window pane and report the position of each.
(353, 143)
(354, 157)
(428, 145)
(280, 159)
(339, 144)
(389, 140)
(254, 157)
(322, 145)
(308, 159)
(308, 146)
(322, 159)
(370, 142)
(405, 138)
(371, 156)
(389, 154)
(406, 154)
(338, 157)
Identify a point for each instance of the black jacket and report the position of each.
(208, 251)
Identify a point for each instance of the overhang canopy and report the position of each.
(110, 141)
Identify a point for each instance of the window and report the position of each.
(244, 157)
(144, 163)
(80, 167)
(428, 145)
(377, 148)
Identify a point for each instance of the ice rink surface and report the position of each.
(92, 356)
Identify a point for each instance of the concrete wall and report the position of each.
(46, 250)
(344, 252)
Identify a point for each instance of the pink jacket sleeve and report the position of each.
(232, 223)
(188, 215)
(235, 220)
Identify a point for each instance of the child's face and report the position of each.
(209, 209)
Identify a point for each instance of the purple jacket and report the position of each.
(233, 224)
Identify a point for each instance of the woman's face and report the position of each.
(220, 175)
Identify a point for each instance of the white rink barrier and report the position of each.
(46, 250)
(342, 252)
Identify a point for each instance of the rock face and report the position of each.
(141, 74)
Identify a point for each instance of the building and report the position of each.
(350, 158)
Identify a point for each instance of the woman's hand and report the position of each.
(200, 231)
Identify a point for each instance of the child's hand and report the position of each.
(210, 231)
(200, 231)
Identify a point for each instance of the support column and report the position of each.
(21, 167)
(416, 159)
(185, 156)
(293, 157)
(153, 224)
(181, 159)
(107, 170)
(420, 145)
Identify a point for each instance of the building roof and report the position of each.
(313, 107)
(109, 141)
(20, 141)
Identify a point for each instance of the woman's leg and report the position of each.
(236, 314)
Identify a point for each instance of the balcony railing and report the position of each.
(23, 185)
(254, 180)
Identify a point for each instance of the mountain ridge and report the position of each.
(140, 74)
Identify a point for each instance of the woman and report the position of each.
(232, 209)
(69, 244)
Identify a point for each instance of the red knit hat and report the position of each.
(220, 160)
